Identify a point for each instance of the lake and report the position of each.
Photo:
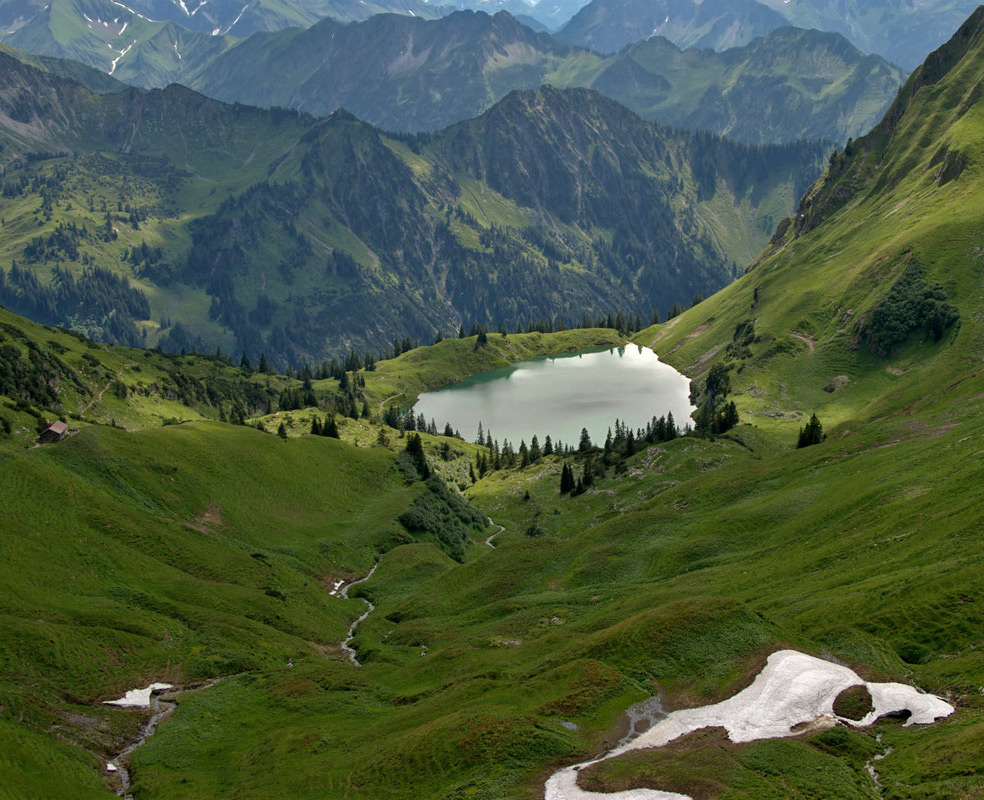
(560, 395)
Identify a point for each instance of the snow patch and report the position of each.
(793, 690)
(234, 21)
(122, 53)
(138, 698)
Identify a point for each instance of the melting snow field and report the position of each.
(138, 698)
(793, 690)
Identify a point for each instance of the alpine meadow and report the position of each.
(238, 561)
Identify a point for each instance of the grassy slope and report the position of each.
(679, 575)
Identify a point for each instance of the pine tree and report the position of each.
(548, 447)
(812, 433)
(566, 479)
(282, 431)
(315, 426)
(584, 445)
(330, 428)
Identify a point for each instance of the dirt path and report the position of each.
(810, 340)
(99, 396)
(385, 400)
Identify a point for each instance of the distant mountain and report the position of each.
(902, 32)
(788, 85)
(412, 75)
(268, 231)
(398, 72)
(117, 40)
(230, 17)
(606, 26)
(89, 77)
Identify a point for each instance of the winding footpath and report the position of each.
(343, 593)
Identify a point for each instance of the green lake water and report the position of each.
(560, 395)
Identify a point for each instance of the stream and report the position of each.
(501, 529)
(161, 707)
(343, 592)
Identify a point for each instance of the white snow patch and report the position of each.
(234, 21)
(792, 690)
(122, 53)
(198, 7)
(183, 7)
(215, 31)
(135, 13)
(111, 767)
(138, 698)
(176, 51)
(123, 28)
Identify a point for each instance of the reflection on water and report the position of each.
(560, 395)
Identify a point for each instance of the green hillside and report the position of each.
(204, 550)
(186, 223)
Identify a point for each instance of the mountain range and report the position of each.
(903, 33)
(408, 74)
(271, 231)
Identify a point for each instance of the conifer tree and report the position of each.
(584, 445)
(812, 433)
(315, 426)
(566, 479)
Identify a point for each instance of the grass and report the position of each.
(204, 549)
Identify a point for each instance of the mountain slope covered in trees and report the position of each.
(270, 231)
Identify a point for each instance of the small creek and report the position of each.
(501, 528)
(343, 592)
(161, 707)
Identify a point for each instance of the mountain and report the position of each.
(91, 78)
(116, 40)
(901, 32)
(415, 75)
(401, 73)
(791, 84)
(269, 231)
(872, 277)
(606, 26)
(225, 17)
(409, 75)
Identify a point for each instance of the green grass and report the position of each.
(203, 549)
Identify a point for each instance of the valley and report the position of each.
(376, 604)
